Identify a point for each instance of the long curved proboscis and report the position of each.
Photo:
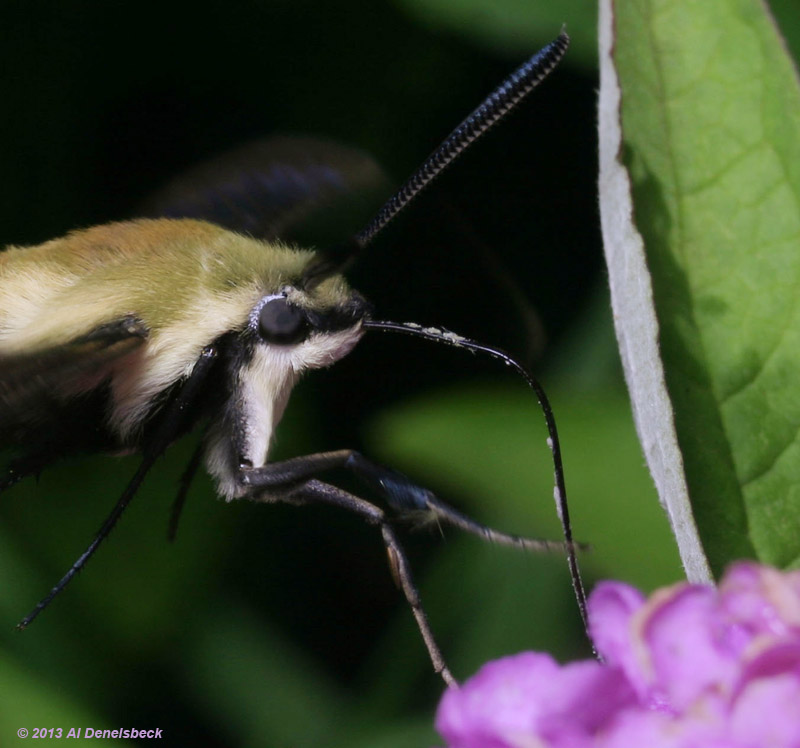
(504, 99)
(560, 491)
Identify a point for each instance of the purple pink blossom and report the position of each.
(692, 666)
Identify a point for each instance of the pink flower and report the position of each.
(690, 667)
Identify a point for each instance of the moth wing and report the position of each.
(275, 188)
(35, 386)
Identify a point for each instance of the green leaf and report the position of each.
(710, 113)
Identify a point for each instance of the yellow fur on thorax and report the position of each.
(154, 269)
(187, 281)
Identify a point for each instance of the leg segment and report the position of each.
(168, 427)
(183, 490)
(315, 491)
(399, 491)
(22, 467)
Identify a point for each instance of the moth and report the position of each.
(123, 337)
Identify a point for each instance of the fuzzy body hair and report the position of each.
(188, 283)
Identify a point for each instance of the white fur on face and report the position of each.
(265, 384)
(262, 392)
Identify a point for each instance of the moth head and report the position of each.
(288, 331)
(309, 328)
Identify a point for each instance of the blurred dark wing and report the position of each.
(270, 188)
(35, 387)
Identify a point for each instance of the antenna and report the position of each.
(503, 100)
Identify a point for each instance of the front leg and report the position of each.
(399, 491)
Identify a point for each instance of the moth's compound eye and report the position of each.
(282, 323)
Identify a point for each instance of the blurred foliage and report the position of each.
(786, 14)
(515, 24)
(278, 626)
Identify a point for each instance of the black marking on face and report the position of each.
(342, 317)
(279, 321)
(237, 352)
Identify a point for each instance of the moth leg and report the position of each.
(398, 490)
(105, 529)
(315, 491)
(167, 428)
(183, 490)
(23, 467)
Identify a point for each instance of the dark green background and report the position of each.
(279, 626)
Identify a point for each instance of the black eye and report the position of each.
(280, 322)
